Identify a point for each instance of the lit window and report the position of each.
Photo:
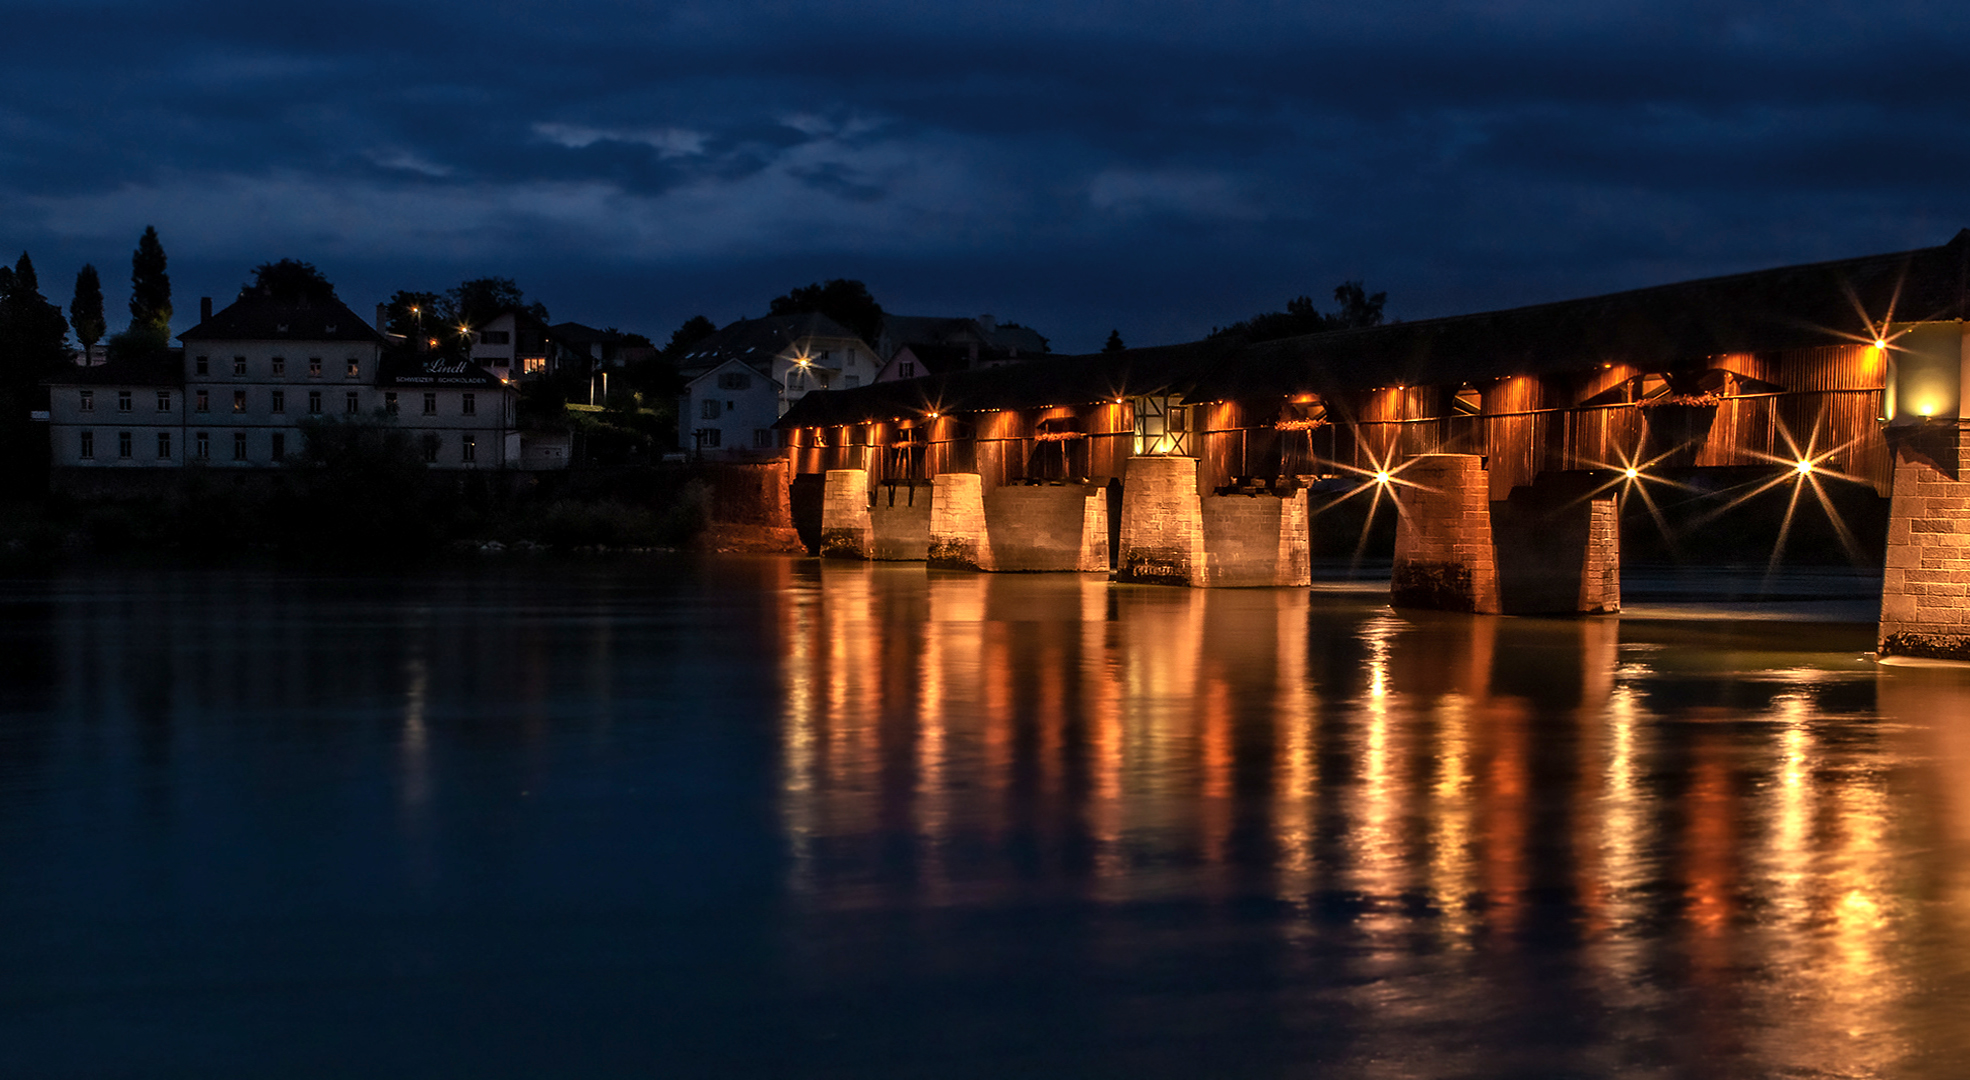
(355, 367)
(239, 401)
(87, 448)
(390, 402)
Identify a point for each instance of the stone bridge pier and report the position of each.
(1173, 535)
(1553, 548)
(1925, 588)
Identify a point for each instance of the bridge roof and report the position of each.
(1664, 327)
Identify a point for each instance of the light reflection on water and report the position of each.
(771, 816)
(1727, 870)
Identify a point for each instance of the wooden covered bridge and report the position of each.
(1504, 438)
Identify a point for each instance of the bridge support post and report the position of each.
(899, 523)
(1162, 523)
(959, 539)
(1558, 547)
(1444, 559)
(1925, 589)
(846, 530)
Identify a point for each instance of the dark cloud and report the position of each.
(1157, 166)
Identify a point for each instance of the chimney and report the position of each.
(204, 309)
(382, 318)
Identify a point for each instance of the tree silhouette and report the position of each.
(291, 281)
(1114, 343)
(85, 311)
(150, 290)
(845, 301)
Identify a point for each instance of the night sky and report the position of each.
(1153, 166)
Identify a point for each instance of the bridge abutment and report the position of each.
(1444, 557)
(1162, 523)
(1558, 545)
(959, 539)
(847, 530)
(1925, 587)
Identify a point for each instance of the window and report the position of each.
(469, 449)
(279, 365)
(430, 448)
(239, 446)
(123, 444)
(710, 410)
(87, 449)
(729, 406)
(163, 446)
(87, 402)
(314, 366)
(355, 367)
(279, 449)
(796, 379)
(164, 401)
(123, 401)
(468, 405)
(762, 438)
(280, 401)
(202, 445)
(314, 402)
(351, 403)
(201, 365)
(711, 436)
(735, 380)
(430, 404)
(239, 365)
(853, 380)
(495, 337)
(907, 369)
(390, 402)
(239, 401)
(204, 402)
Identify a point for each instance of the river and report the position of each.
(765, 816)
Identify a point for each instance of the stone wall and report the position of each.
(1256, 540)
(900, 524)
(751, 507)
(846, 529)
(1162, 523)
(1558, 545)
(1925, 592)
(959, 539)
(1444, 560)
(1050, 527)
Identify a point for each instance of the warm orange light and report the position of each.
(1381, 477)
(1802, 467)
(1632, 473)
(1880, 343)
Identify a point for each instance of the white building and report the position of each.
(235, 396)
(741, 379)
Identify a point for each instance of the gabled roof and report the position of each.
(161, 367)
(766, 379)
(1002, 339)
(757, 341)
(260, 318)
(1664, 327)
(575, 333)
(937, 359)
(424, 371)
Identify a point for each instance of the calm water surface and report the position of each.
(767, 817)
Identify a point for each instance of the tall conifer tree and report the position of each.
(150, 289)
(85, 312)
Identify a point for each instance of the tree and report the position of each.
(846, 302)
(85, 311)
(291, 281)
(477, 302)
(150, 290)
(415, 315)
(1114, 343)
(695, 329)
(1357, 311)
(33, 342)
